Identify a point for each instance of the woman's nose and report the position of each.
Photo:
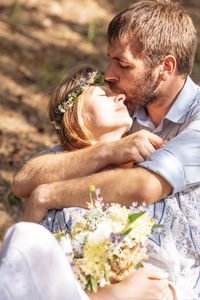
(110, 74)
(120, 98)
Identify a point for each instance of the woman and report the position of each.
(32, 264)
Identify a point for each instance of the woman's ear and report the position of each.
(167, 67)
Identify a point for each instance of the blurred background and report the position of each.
(39, 41)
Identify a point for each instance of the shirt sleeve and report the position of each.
(179, 160)
(55, 149)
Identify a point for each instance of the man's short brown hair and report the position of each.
(157, 28)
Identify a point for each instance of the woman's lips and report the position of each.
(121, 108)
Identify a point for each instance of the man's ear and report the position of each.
(167, 67)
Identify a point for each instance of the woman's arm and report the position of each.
(62, 166)
(143, 284)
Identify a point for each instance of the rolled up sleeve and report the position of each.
(179, 161)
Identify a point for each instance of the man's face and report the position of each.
(131, 76)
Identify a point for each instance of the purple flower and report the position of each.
(97, 191)
(72, 263)
(120, 238)
(116, 238)
(113, 237)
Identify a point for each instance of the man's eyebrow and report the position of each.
(119, 59)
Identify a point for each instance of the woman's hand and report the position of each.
(35, 209)
(143, 284)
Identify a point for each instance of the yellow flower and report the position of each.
(95, 260)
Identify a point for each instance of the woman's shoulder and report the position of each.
(57, 148)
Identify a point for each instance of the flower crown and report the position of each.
(94, 79)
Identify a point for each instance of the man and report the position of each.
(151, 47)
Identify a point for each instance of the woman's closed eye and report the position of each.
(102, 93)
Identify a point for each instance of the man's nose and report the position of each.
(110, 74)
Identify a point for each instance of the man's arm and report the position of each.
(67, 165)
(178, 161)
(119, 185)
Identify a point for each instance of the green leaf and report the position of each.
(93, 284)
(59, 234)
(99, 80)
(115, 256)
(138, 266)
(14, 13)
(13, 199)
(157, 226)
(106, 276)
(57, 125)
(126, 232)
(91, 31)
(135, 216)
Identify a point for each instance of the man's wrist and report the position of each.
(105, 151)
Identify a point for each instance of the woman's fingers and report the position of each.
(155, 274)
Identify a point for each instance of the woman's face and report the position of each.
(105, 112)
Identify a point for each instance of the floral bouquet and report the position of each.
(107, 243)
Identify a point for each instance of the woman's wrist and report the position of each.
(108, 292)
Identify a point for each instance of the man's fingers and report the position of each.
(148, 149)
(137, 157)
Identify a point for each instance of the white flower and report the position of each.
(100, 237)
(65, 243)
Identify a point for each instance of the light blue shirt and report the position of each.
(179, 160)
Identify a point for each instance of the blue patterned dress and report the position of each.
(175, 248)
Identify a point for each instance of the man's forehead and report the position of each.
(119, 51)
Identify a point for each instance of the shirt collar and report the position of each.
(179, 109)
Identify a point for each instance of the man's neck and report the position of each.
(158, 109)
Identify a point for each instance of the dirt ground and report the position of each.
(39, 41)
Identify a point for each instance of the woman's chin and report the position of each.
(127, 127)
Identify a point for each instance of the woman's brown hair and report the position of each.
(72, 132)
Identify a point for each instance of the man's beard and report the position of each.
(145, 91)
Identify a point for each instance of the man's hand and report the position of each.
(135, 147)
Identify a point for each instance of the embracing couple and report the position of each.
(151, 47)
